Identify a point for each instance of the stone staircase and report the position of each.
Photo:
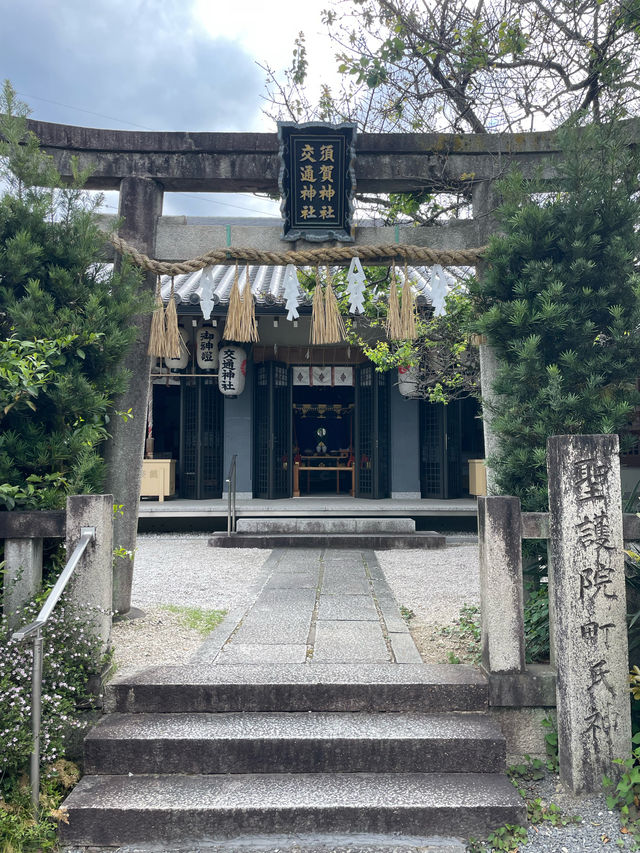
(216, 755)
(379, 533)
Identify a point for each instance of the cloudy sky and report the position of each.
(156, 65)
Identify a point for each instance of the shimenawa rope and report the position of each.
(304, 257)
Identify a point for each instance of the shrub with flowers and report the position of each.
(71, 656)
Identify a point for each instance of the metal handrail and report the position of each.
(231, 508)
(33, 632)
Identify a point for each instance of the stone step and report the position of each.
(299, 687)
(294, 743)
(115, 810)
(319, 842)
(270, 526)
(363, 541)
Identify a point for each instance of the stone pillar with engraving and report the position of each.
(589, 608)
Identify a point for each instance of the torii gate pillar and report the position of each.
(140, 207)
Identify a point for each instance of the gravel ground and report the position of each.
(159, 637)
(179, 570)
(599, 830)
(183, 570)
(434, 584)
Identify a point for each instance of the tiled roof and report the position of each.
(267, 286)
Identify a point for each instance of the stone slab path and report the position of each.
(315, 606)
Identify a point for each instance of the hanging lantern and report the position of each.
(181, 362)
(207, 348)
(408, 381)
(233, 368)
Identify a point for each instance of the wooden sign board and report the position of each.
(317, 180)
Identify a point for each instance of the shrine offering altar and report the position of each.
(323, 463)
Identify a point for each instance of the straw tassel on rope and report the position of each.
(318, 313)
(394, 331)
(334, 330)
(232, 328)
(248, 325)
(157, 334)
(408, 310)
(173, 340)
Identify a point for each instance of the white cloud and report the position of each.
(268, 31)
(158, 65)
(130, 62)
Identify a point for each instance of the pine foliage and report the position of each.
(560, 302)
(53, 288)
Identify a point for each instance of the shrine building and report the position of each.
(301, 419)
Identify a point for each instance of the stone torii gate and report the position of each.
(142, 166)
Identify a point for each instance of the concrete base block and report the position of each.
(373, 541)
(523, 731)
(535, 687)
(268, 526)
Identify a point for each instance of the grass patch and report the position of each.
(196, 618)
(464, 632)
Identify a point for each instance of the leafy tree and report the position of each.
(25, 370)
(451, 65)
(467, 67)
(64, 317)
(560, 302)
(442, 351)
(447, 363)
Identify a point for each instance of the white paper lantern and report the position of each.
(183, 361)
(408, 381)
(207, 348)
(232, 371)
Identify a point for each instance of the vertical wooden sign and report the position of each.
(317, 180)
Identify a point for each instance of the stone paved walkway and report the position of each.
(315, 606)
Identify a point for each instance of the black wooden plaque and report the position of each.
(317, 180)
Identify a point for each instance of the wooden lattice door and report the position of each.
(372, 433)
(272, 431)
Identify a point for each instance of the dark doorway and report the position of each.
(372, 449)
(166, 421)
(272, 431)
(201, 411)
(449, 436)
(323, 441)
